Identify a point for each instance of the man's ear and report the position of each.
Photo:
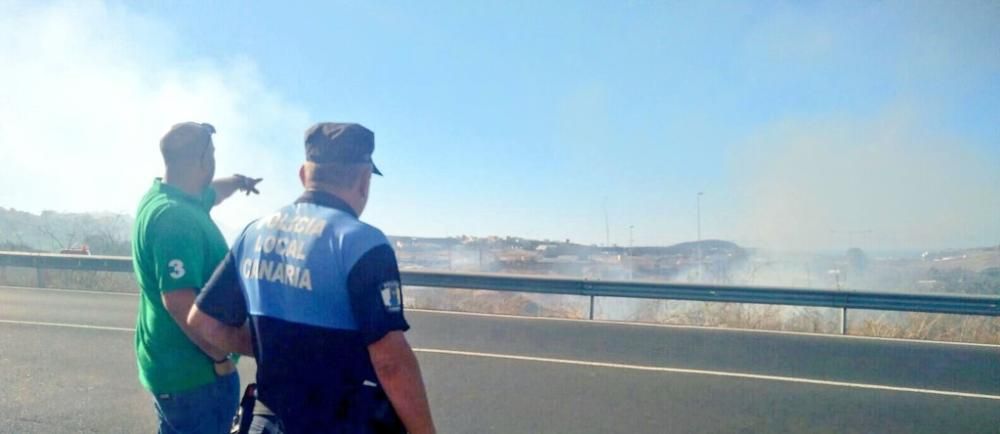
(208, 162)
(302, 174)
(208, 156)
(364, 184)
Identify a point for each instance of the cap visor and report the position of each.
(375, 169)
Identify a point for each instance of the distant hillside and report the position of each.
(690, 248)
(562, 248)
(102, 233)
(108, 234)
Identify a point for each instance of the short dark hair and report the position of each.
(337, 175)
(186, 141)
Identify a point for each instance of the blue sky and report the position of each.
(525, 118)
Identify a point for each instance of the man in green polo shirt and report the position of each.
(175, 249)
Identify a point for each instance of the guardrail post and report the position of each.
(39, 277)
(591, 307)
(843, 321)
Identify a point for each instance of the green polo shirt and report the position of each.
(175, 245)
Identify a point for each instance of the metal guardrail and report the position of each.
(66, 262)
(842, 299)
(929, 303)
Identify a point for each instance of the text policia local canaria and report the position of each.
(287, 247)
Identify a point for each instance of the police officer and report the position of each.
(321, 293)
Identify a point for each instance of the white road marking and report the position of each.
(706, 328)
(84, 291)
(71, 326)
(708, 373)
(645, 368)
(603, 322)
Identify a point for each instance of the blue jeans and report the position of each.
(207, 409)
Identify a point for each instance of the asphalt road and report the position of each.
(66, 365)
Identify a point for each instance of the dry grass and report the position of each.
(924, 326)
(68, 279)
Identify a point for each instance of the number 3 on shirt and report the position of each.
(177, 268)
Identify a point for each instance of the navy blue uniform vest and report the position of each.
(317, 286)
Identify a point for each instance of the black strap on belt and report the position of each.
(248, 405)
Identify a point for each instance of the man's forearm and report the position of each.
(225, 187)
(404, 385)
(179, 304)
(215, 333)
(228, 338)
(237, 340)
(213, 351)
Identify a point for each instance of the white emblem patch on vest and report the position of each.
(392, 297)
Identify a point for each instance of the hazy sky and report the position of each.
(806, 124)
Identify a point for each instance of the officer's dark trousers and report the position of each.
(266, 425)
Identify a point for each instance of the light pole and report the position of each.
(698, 244)
(607, 227)
(631, 261)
